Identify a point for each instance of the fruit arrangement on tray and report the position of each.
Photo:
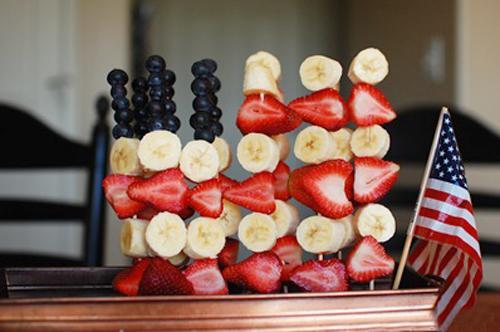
(157, 185)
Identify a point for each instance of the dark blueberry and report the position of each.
(200, 69)
(169, 92)
(140, 84)
(120, 103)
(156, 93)
(213, 98)
(200, 120)
(141, 113)
(121, 130)
(211, 64)
(155, 79)
(216, 113)
(156, 124)
(155, 64)
(117, 77)
(169, 106)
(173, 123)
(140, 100)
(124, 116)
(155, 108)
(214, 82)
(169, 77)
(216, 128)
(200, 86)
(118, 91)
(202, 103)
(204, 134)
(141, 129)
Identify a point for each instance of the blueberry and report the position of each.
(169, 106)
(155, 108)
(155, 79)
(200, 86)
(140, 84)
(213, 98)
(141, 114)
(156, 93)
(117, 77)
(173, 123)
(202, 103)
(120, 103)
(140, 100)
(216, 113)
(214, 83)
(200, 69)
(155, 64)
(216, 128)
(125, 116)
(204, 134)
(156, 124)
(200, 120)
(141, 129)
(169, 77)
(169, 92)
(118, 91)
(121, 130)
(211, 64)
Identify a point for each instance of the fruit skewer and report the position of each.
(123, 116)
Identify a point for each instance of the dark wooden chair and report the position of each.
(51, 150)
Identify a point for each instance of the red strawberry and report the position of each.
(265, 114)
(296, 186)
(255, 193)
(165, 191)
(368, 260)
(115, 190)
(281, 174)
(330, 185)
(162, 278)
(260, 273)
(288, 250)
(229, 254)
(206, 198)
(226, 182)
(373, 178)
(206, 278)
(328, 275)
(324, 108)
(368, 106)
(127, 281)
(186, 213)
(147, 213)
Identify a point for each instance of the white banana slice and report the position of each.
(350, 233)
(368, 66)
(375, 220)
(257, 153)
(159, 150)
(205, 238)
(313, 145)
(179, 259)
(230, 217)
(259, 79)
(372, 141)
(199, 161)
(132, 238)
(123, 157)
(268, 60)
(286, 217)
(341, 144)
(257, 232)
(318, 235)
(319, 72)
(224, 153)
(166, 234)
(283, 145)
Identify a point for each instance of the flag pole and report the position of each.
(411, 227)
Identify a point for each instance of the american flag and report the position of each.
(448, 244)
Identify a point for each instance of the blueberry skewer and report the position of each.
(140, 101)
(123, 116)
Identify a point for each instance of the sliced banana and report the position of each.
(313, 145)
(259, 79)
(123, 157)
(286, 217)
(341, 144)
(368, 66)
(375, 220)
(205, 238)
(199, 161)
(318, 234)
(319, 72)
(372, 141)
(166, 234)
(159, 150)
(224, 153)
(179, 259)
(283, 145)
(257, 153)
(350, 233)
(257, 232)
(267, 60)
(132, 238)
(230, 217)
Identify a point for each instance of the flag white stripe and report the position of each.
(450, 265)
(432, 253)
(421, 258)
(452, 287)
(451, 188)
(449, 209)
(444, 250)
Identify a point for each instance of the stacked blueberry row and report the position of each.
(117, 78)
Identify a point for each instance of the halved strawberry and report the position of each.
(206, 198)
(368, 260)
(147, 213)
(165, 191)
(186, 213)
(127, 281)
(324, 108)
(288, 250)
(373, 178)
(115, 190)
(162, 278)
(260, 273)
(265, 114)
(296, 186)
(281, 174)
(206, 278)
(368, 106)
(255, 193)
(229, 254)
(226, 182)
(328, 275)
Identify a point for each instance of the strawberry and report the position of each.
(368, 260)
(206, 198)
(330, 185)
(147, 213)
(260, 273)
(226, 182)
(265, 114)
(115, 190)
(229, 254)
(368, 106)
(281, 174)
(162, 278)
(165, 191)
(296, 186)
(328, 275)
(373, 178)
(186, 212)
(288, 250)
(206, 278)
(255, 193)
(127, 281)
(324, 108)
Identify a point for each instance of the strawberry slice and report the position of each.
(206, 198)
(162, 278)
(147, 213)
(115, 190)
(288, 250)
(328, 275)
(165, 191)
(281, 174)
(373, 178)
(330, 185)
(255, 193)
(324, 108)
(368, 106)
(368, 260)
(186, 213)
(206, 278)
(264, 114)
(229, 254)
(260, 273)
(127, 281)
(226, 182)
(297, 189)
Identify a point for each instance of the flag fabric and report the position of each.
(448, 243)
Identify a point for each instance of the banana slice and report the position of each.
(283, 145)
(286, 217)
(132, 238)
(123, 157)
(230, 217)
(179, 259)
(372, 141)
(267, 60)
(319, 72)
(368, 66)
(166, 234)
(350, 234)
(341, 144)
(199, 161)
(224, 153)
(319, 235)
(375, 220)
(159, 150)
(313, 145)
(259, 79)
(205, 238)
(257, 153)
(257, 232)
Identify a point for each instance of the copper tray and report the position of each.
(82, 299)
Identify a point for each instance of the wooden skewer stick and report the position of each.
(372, 284)
(339, 254)
(320, 257)
(285, 287)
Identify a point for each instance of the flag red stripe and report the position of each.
(449, 255)
(448, 219)
(416, 251)
(476, 281)
(449, 198)
(451, 278)
(434, 261)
